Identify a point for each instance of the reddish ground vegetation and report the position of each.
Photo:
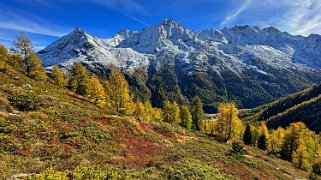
(138, 152)
(63, 146)
(102, 120)
(157, 131)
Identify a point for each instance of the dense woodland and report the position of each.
(303, 106)
(294, 143)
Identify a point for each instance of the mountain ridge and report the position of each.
(264, 63)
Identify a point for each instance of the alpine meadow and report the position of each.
(170, 99)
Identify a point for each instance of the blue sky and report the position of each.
(44, 21)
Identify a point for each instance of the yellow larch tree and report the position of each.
(229, 126)
(276, 138)
(139, 110)
(4, 57)
(30, 63)
(148, 110)
(79, 80)
(58, 77)
(97, 92)
(171, 112)
(118, 91)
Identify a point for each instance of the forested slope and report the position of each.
(303, 106)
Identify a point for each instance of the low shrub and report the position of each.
(237, 149)
(25, 101)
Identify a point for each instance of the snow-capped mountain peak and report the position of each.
(265, 54)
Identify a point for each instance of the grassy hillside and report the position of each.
(70, 135)
(303, 106)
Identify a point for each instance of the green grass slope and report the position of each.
(303, 106)
(69, 135)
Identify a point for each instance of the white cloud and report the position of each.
(301, 17)
(234, 14)
(125, 6)
(18, 20)
(129, 8)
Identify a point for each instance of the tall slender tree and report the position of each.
(291, 140)
(247, 136)
(276, 138)
(197, 114)
(186, 117)
(79, 80)
(97, 92)
(148, 111)
(229, 125)
(118, 91)
(264, 130)
(139, 110)
(262, 142)
(30, 63)
(171, 112)
(58, 77)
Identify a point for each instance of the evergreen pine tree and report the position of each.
(197, 114)
(186, 117)
(247, 136)
(262, 142)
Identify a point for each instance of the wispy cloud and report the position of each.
(295, 16)
(302, 17)
(235, 13)
(5, 38)
(18, 20)
(129, 8)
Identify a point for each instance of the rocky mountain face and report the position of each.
(247, 64)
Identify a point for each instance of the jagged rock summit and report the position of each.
(247, 64)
